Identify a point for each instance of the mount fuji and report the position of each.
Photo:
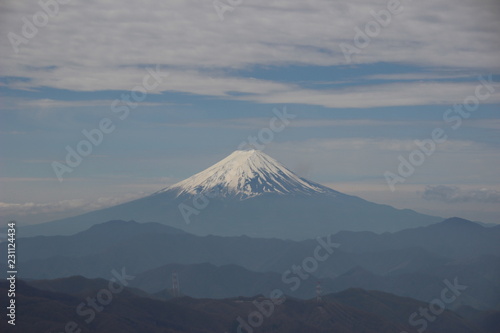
(245, 174)
(248, 193)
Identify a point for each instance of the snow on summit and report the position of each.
(245, 174)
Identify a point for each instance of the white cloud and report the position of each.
(454, 194)
(397, 94)
(484, 123)
(264, 91)
(419, 76)
(52, 104)
(252, 123)
(68, 206)
(97, 45)
(376, 144)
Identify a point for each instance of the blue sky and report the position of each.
(354, 117)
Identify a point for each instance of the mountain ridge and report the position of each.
(352, 311)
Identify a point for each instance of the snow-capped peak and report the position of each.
(245, 174)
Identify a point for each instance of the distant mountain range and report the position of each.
(48, 306)
(412, 262)
(248, 193)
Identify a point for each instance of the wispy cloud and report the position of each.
(484, 123)
(420, 76)
(248, 123)
(51, 103)
(376, 145)
(266, 91)
(400, 94)
(280, 33)
(70, 206)
(453, 194)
